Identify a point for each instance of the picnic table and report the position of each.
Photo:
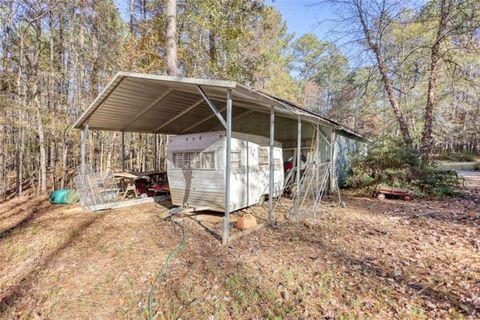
(127, 180)
(155, 175)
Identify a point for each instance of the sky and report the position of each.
(305, 16)
(308, 16)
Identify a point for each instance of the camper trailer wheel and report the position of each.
(381, 196)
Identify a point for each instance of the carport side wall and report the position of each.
(346, 147)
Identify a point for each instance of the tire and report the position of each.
(381, 196)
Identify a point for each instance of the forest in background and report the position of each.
(414, 74)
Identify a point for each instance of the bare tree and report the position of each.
(426, 144)
(376, 45)
(372, 19)
(455, 26)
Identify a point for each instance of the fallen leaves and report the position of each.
(372, 259)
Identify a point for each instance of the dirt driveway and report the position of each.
(470, 178)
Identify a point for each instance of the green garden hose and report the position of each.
(164, 266)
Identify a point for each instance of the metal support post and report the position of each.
(83, 140)
(317, 167)
(123, 151)
(228, 167)
(332, 162)
(82, 149)
(271, 164)
(155, 147)
(299, 152)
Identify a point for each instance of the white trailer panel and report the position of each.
(196, 170)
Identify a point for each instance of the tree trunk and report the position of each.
(53, 164)
(427, 141)
(42, 145)
(102, 150)
(95, 53)
(109, 151)
(43, 153)
(172, 38)
(36, 100)
(64, 161)
(19, 165)
(21, 98)
(212, 47)
(91, 149)
(392, 98)
(3, 186)
(132, 15)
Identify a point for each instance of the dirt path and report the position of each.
(392, 259)
(471, 178)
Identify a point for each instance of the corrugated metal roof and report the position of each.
(333, 122)
(135, 102)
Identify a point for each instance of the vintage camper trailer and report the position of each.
(196, 170)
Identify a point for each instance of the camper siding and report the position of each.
(202, 187)
(206, 188)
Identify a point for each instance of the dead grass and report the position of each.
(371, 260)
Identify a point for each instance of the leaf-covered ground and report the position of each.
(380, 260)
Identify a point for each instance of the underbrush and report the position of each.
(391, 162)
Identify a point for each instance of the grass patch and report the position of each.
(246, 294)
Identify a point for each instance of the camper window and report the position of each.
(178, 160)
(208, 160)
(186, 160)
(194, 160)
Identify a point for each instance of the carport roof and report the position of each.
(135, 102)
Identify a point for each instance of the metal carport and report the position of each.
(134, 102)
